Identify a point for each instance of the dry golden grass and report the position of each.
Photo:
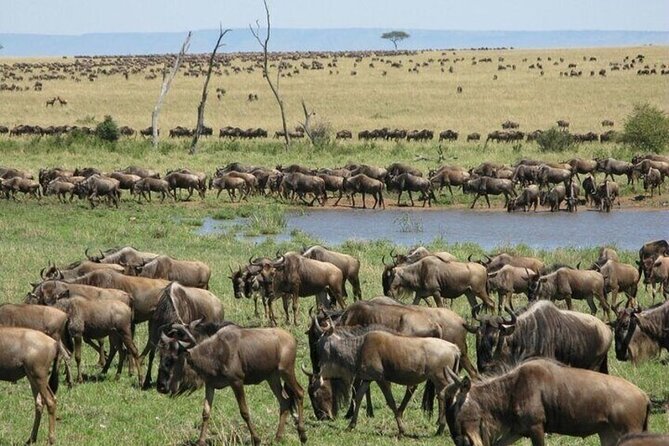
(427, 99)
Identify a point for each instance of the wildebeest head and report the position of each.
(238, 279)
(175, 376)
(538, 287)
(624, 326)
(490, 334)
(132, 269)
(463, 416)
(321, 395)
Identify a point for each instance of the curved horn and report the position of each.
(41, 273)
(383, 260)
(317, 327)
(165, 339)
(251, 260)
(392, 252)
(311, 311)
(59, 274)
(578, 265)
(86, 254)
(513, 319)
(487, 257)
(305, 371)
(476, 310)
(469, 257)
(277, 254)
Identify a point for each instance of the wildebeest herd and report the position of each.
(528, 361)
(526, 185)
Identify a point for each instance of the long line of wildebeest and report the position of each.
(529, 363)
(541, 183)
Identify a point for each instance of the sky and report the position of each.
(94, 16)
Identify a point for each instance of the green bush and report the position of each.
(647, 129)
(107, 130)
(555, 140)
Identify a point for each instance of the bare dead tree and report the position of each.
(203, 101)
(306, 125)
(264, 44)
(167, 81)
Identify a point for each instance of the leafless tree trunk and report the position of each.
(264, 44)
(203, 101)
(306, 125)
(167, 81)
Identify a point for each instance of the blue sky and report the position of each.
(86, 16)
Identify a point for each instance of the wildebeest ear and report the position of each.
(194, 324)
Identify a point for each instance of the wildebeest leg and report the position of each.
(352, 197)
(590, 303)
(206, 412)
(272, 318)
(355, 282)
(536, 434)
(360, 390)
(383, 204)
(77, 356)
(411, 199)
(398, 197)
(43, 395)
(147, 378)
(98, 346)
(284, 405)
(388, 394)
(64, 356)
(407, 398)
(487, 200)
(126, 340)
(114, 346)
(475, 200)
(364, 201)
(39, 407)
(437, 299)
(295, 392)
(190, 193)
(336, 202)
(238, 389)
(295, 301)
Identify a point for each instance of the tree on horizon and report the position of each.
(395, 36)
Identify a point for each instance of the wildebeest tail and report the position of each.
(428, 398)
(67, 338)
(649, 406)
(291, 397)
(341, 394)
(53, 379)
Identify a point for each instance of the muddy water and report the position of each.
(625, 229)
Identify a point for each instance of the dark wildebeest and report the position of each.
(529, 197)
(590, 189)
(299, 184)
(641, 334)
(540, 397)
(567, 284)
(611, 166)
(349, 266)
(431, 276)
(60, 189)
(543, 330)
(525, 174)
(652, 180)
(507, 281)
(182, 305)
(30, 353)
(244, 284)
(411, 183)
(645, 165)
(126, 180)
(606, 194)
(378, 173)
(396, 169)
(187, 273)
(364, 184)
(13, 185)
(96, 186)
(387, 358)
(222, 355)
(145, 186)
(550, 175)
(293, 276)
(648, 253)
(188, 181)
(484, 186)
(333, 183)
(582, 166)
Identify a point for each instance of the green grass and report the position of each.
(109, 412)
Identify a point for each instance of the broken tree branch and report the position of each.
(167, 81)
(203, 101)
(306, 125)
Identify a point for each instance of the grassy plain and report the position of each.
(31, 234)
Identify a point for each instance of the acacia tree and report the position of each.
(264, 44)
(165, 87)
(395, 36)
(203, 101)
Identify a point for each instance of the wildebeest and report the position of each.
(387, 358)
(448, 135)
(582, 166)
(76, 269)
(60, 189)
(230, 184)
(126, 180)
(619, 277)
(244, 283)
(550, 175)
(543, 330)
(660, 275)
(431, 276)
(364, 184)
(411, 183)
(652, 180)
(31, 354)
(396, 169)
(294, 276)
(187, 273)
(641, 334)
(145, 186)
(96, 187)
(484, 186)
(190, 182)
(17, 184)
(222, 355)
(499, 260)
(529, 197)
(333, 183)
(611, 166)
(349, 266)
(567, 284)
(526, 174)
(507, 281)
(449, 176)
(141, 172)
(648, 253)
(179, 305)
(299, 184)
(643, 439)
(125, 255)
(606, 194)
(541, 396)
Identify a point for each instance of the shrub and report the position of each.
(321, 132)
(647, 129)
(107, 130)
(555, 140)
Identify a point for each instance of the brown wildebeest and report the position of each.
(349, 266)
(245, 285)
(507, 281)
(76, 269)
(127, 254)
(541, 396)
(179, 304)
(498, 261)
(145, 186)
(641, 334)
(16, 184)
(387, 358)
(573, 338)
(529, 197)
(411, 183)
(30, 353)
(231, 185)
(648, 253)
(449, 176)
(644, 439)
(619, 277)
(187, 273)
(364, 184)
(484, 186)
(60, 189)
(222, 355)
(188, 181)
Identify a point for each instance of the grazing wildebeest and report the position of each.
(387, 358)
(244, 283)
(641, 334)
(349, 266)
(31, 354)
(364, 184)
(567, 284)
(187, 273)
(222, 355)
(294, 276)
(540, 397)
(529, 197)
(183, 305)
(543, 330)
(484, 186)
(431, 276)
